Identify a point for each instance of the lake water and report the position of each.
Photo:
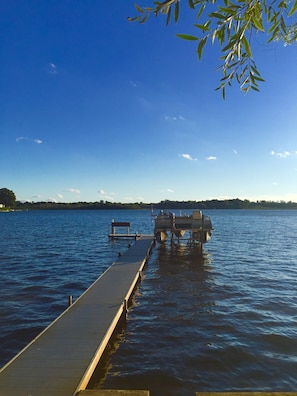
(223, 322)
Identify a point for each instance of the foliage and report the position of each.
(233, 24)
(7, 197)
(166, 204)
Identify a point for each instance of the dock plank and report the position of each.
(61, 360)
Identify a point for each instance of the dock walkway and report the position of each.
(62, 359)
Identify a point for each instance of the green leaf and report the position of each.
(187, 37)
(259, 78)
(144, 18)
(283, 25)
(255, 88)
(176, 12)
(258, 24)
(133, 19)
(283, 4)
(191, 4)
(221, 35)
(139, 9)
(254, 70)
(246, 47)
(229, 45)
(201, 46)
(217, 15)
(204, 28)
(168, 16)
(293, 9)
(201, 9)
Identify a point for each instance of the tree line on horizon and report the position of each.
(8, 198)
(162, 205)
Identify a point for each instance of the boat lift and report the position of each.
(195, 228)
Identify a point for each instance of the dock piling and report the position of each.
(69, 301)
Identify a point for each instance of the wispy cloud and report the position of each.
(169, 190)
(174, 118)
(211, 158)
(36, 197)
(134, 85)
(73, 190)
(60, 196)
(52, 69)
(106, 196)
(20, 138)
(109, 198)
(188, 157)
(146, 104)
(283, 154)
(52, 200)
(235, 152)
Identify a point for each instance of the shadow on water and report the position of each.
(183, 256)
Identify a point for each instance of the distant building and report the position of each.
(2, 205)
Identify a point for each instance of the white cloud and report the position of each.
(20, 138)
(188, 157)
(169, 190)
(52, 200)
(174, 118)
(73, 190)
(52, 69)
(211, 158)
(106, 196)
(131, 199)
(133, 84)
(284, 154)
(235, 152)
(60, 196)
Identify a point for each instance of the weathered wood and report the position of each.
(120, 224)
(62, 359)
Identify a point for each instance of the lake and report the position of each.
(222, 322)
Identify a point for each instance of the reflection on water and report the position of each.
(222, 322)
(164, 326)
(225, 321)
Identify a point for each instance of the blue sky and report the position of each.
(95, 108)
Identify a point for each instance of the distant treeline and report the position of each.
(167, 204)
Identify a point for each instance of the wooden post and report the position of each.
(69, 301)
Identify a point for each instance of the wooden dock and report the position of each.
(62, 359)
